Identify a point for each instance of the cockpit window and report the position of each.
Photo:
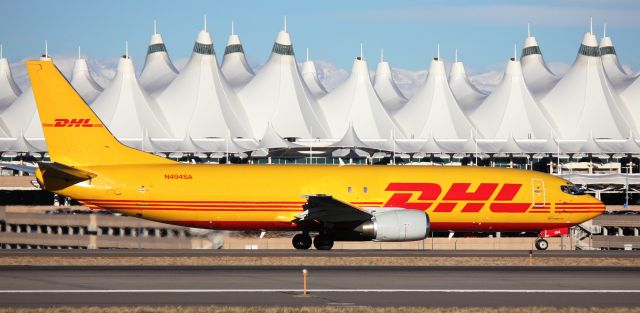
(572, 190)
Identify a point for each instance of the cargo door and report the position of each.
(539, 193)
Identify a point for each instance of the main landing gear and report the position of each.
(323, 242)
(320, 242)
(542, 244)
(301, 241)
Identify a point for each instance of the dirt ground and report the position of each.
(318, 261)
(213, 309)
(318, 310)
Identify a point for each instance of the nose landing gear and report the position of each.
(542, 244)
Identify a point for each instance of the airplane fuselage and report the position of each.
(269, 197)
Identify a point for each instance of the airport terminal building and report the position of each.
(584, 125)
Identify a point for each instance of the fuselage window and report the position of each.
(365, 189)
(349, 189)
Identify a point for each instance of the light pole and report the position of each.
(626, 184)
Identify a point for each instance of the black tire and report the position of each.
(323, 242)
(301, 241)
(542, 244)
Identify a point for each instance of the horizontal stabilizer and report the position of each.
(64, 172)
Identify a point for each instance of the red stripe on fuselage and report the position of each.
(188, 201)
(582, 211)
(145, 205)
(576, 203)
(435, 226)
(239, 225)
(485, 227)
(509, 207)
(223, 209)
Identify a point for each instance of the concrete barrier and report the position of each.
(30, 226)
(519, 243)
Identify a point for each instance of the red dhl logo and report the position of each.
(475, 200)
(74, 122)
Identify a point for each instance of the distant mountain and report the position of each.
(101, 70)
(329, 74)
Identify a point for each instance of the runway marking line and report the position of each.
(322, 290)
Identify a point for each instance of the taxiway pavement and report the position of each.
(45, 286)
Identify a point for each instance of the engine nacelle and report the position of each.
(396, 225)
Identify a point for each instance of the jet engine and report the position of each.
(396, 225)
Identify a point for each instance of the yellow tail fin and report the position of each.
(75, 136)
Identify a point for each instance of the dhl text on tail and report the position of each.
(381, 203)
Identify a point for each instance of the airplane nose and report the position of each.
(598, 207)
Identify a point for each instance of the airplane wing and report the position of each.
(326, 209)
(20, 167)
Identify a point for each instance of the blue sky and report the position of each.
(483, 31)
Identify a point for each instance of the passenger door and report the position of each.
(539, 193)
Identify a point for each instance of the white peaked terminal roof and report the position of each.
(189, 144)
(628, 145)
(158, 71)
(618, 77)
(468, 96)
(200, 102)
(23, 121)
(271, 140)
(234, 63)
(511, 110)
(621, 81)
(538, 76)
(224, 144)
(9, 92)
(389, 93)
(631, 96)
(583, 101)
(586, 145)
(433, 110)
(127, 110)
(355, 103)
(349, 139)
(505, 145)
(277, 94)
(542, 145)
(83, 82)
(310, 77)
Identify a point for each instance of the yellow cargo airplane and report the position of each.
(337, 203)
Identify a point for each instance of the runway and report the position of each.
(28, 286)
(312, 253)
